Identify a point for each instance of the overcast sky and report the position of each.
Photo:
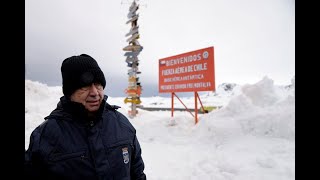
(251, 38)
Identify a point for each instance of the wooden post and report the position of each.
(133, 49)
(172, 108)
(196, 107)
(184, 105)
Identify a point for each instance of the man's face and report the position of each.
(90, 96)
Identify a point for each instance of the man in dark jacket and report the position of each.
(84, 137)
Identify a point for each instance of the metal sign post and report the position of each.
(188, 72)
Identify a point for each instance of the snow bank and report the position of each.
(261, 109)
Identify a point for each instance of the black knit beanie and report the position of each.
(80, 71)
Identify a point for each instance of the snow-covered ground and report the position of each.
(252, 135)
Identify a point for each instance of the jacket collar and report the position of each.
(71, 110)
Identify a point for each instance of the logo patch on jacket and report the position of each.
(125, 155)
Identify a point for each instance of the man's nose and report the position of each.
(93, 90)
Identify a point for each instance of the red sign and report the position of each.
(191, 71)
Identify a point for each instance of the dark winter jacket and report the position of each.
(69, 145)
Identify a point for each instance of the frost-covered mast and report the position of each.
(132, 51)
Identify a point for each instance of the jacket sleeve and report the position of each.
(34, 166)
(137, 166)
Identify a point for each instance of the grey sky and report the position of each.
(252, 38)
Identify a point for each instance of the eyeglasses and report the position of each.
(98, 86)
